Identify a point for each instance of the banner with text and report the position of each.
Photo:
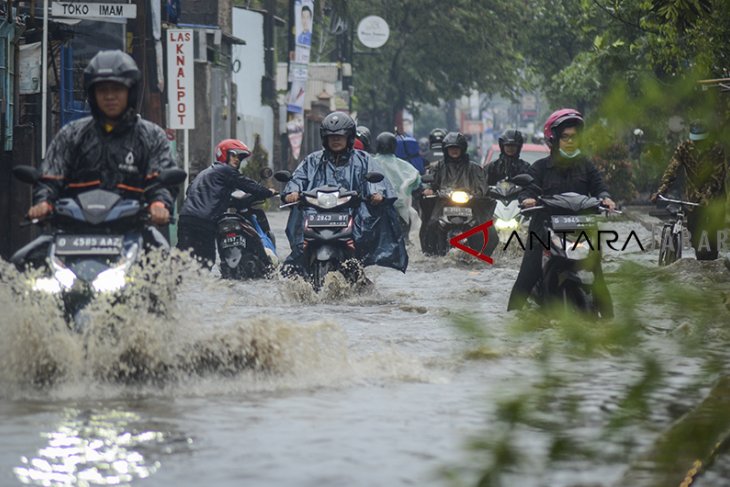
(180, 79)
(299, 72)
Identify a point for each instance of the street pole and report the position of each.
(44, 87)
(186, 159)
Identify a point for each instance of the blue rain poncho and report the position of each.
(377, 233)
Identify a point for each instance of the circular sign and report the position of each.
(373, 31)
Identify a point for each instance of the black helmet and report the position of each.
(697, 130)
(385, 143)
(455, 139)
(436, 138)
(363, 134)
(337, 123)
(511, 137)
(114, 66)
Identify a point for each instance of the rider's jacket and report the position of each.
(505, 167)
(555, 175)
(125, 159)
(702, 172)
(460, 174)
(210, 192)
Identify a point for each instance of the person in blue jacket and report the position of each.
(378, 236)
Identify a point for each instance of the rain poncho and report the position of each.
(404, 178)
(377, 233)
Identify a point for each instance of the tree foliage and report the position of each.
(436, 51)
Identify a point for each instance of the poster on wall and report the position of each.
(299, 73)
(295, 131)
(29, 69)
(304, 15)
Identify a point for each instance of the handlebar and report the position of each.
(678, 202)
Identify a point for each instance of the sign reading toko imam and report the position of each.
(82, 10)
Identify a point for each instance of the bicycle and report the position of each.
(670, 245)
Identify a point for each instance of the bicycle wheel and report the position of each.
(677, 241)
(664, 246)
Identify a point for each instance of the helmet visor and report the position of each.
(239, 153)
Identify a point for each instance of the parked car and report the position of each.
(530, 153)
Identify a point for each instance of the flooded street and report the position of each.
(375, 386)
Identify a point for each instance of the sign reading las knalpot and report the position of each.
(180, 79)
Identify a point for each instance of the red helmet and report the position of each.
(558, 118)
(358, 145)
(231, 146)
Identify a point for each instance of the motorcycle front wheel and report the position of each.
(320, 269)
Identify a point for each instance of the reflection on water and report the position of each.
(95, 448)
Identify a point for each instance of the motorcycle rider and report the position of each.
(454, 171)
(402, 175)
(363, 139)
(566, 169)
(509, 163)
(378, 236)
(208, 197)
(702, 165)
(436, 148)
(113, 149)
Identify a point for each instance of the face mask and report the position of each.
(572, 155)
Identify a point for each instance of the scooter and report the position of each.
(507, 215)
(246, 251)
(94, 240)
(571, 255)
(455, 213)
(329, 221)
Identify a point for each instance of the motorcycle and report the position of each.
(246, 251)
(456, 215)
(570, 260)
(329, 221)
(507, 215)
(95, 238)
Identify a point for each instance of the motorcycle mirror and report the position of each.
(266, 173)
(27, 174)
(282, 176)
(427, 178)
(374, 177)
(172, 177)
(522, 180)
(238, 194)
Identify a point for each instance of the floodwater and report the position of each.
(266, 383)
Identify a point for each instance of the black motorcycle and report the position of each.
(246, 252)
(571, 255)
(456, 212)
(93, 241)
(329, 221)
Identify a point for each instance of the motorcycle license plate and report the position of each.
(457, 211)
(89, 244)
(328, 220)
(233, 241)
(572, 222)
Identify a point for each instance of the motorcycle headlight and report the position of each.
(460, 197)
(63, 278)
(46, 285)
(506, 224)
(115, 278)
(110, 280)
(327, 200)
